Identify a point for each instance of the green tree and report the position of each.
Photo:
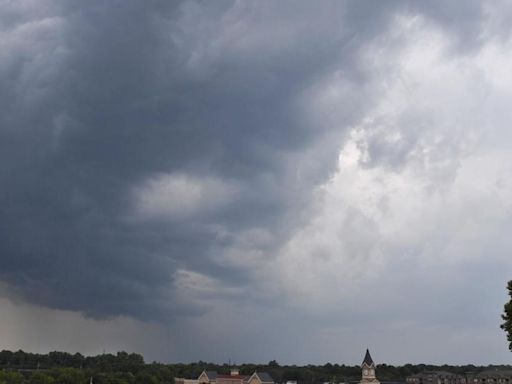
(41, 378)
(507, 317)
(145, 378)
(69, 376)
(7, 377)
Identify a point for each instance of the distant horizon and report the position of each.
(239, 364)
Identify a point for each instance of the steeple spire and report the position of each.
(367, 358)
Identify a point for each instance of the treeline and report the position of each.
(122, 361)
(65, 368)
(129, 368)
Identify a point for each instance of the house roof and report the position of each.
(445, 373)
(434, 373)
(212, 375)
(265, 377)
(367, 358)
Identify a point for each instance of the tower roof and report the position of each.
(367, 358)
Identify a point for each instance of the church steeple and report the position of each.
(368, 359)
(368, 368)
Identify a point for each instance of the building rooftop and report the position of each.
(212, 375)
(265, 377)
(367, 358)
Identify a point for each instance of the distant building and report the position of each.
(234, 378)
(212, 377)
(436, 377)
(495, 376)
(368, 370)
(491, 376)
(207, 377)
(260, 378)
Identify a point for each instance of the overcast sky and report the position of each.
(289, 180)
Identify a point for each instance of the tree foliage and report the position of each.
(507, 317)
(128, 368)
(7, 377)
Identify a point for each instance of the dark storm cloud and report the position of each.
(97, 98)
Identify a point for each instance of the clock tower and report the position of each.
(368, 368)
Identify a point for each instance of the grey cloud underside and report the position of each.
(118, 92)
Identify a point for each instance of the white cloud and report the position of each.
(181, 196)
(192, 285)
(417, 178)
